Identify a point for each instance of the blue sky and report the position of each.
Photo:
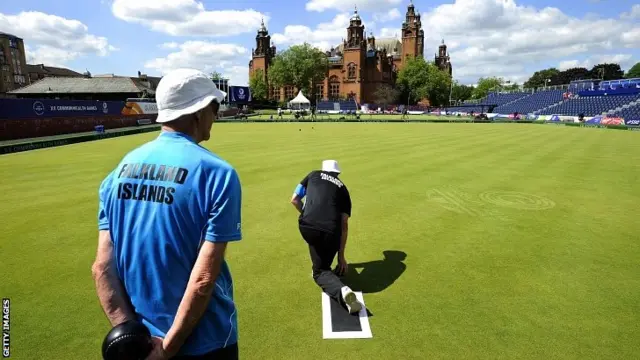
(509, 38)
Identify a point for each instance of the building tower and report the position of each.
(355, 32)
(442, 59)
(355, 48)
(412, 35)
(263, 53)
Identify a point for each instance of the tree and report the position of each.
(258, 85)
(634, 72)
(461, 92)
(386, 94)
(485, 85)
(299, 66)
(419, 80)
(216, 76)
(607, 71)
(539, 78)
(569, 75)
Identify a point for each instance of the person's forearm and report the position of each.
(112, 295)
(297, 205)
(192, 307)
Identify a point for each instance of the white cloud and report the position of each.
(169, 45)
(228, 59)
(54, 40)
(625, 61)
(187, 17)
(502, 38)
(341, 5)
(324, 36)
(633, 14)
(390, 15)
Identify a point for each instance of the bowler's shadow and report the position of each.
(375, 276)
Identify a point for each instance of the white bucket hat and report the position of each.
(330, 166)
(185, 91)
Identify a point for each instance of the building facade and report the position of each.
(358, 66)
(13, 63)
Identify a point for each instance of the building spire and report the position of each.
(263, 28)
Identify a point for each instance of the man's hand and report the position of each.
(158, 352)
(343, 266)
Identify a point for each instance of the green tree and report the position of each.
(300, 66)
(461, 92)
(569, 75)
(258, 85)
(216, 76)
(385, 95)
(419, 80)
(485, 85)
(539, 77)
(634, 72)
(607, 71)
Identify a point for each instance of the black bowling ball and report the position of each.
(130, 340)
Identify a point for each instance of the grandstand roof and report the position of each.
(384, 43)
(83, 85)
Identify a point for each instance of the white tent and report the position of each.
(300, 102)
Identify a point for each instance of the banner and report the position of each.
(139, 108)
(239, 94)
(594, 120)
(634, 122)
(612, 121)
(47, 108)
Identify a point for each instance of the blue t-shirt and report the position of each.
(161, 201)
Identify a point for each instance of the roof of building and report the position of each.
(51, 70)
(9, 35)
(83, 85)
(383, 43)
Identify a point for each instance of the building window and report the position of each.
(334, 87)
(288, 92)
(274, 93)
(352, 71)
(320, 90)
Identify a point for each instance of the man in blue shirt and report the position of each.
(165, 215)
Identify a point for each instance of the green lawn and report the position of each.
(521, 241)
(265, 115)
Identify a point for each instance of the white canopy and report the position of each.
(300, 99)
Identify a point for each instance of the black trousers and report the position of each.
(323, 248)
(228, 353)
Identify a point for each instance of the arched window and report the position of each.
(351, 71)
(334, 87)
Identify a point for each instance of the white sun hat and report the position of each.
(185, 91)
(330, 166)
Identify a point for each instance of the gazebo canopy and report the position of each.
(300, 99)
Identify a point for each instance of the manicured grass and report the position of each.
(389, 117)
(488, 274)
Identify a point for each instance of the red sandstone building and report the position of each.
(360, 64)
